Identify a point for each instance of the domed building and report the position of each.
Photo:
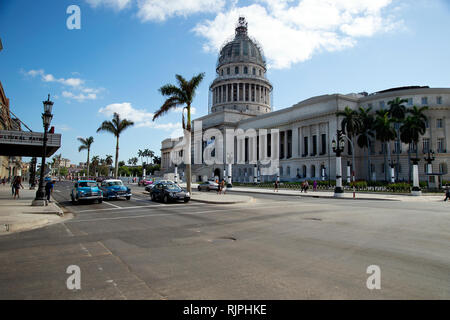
(241, 82)
(299, 138)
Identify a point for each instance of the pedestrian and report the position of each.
(219, 187)
(276, 186)
(17, 185)
(302, 187)
(306, 186)
(447, 192)
(48, 189)
(223, 186)
(315, 186)
(4, 181)
(13, 190)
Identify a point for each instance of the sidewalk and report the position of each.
(347, 195)
(19, 215)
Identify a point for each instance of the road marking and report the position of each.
(57, 191)
(68, 230)
(112, 205)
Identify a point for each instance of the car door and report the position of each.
(158, 191)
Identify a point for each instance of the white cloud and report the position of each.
(293, 31)
(81, 93)
(180, 110)
(62, 127)
(140, 117)
(115, 4)
(160, 10)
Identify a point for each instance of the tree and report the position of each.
(385, 133)
(413, 126)
(157, 160)
(86, 145)
(180, 95)
(133, 161)
(121, 163)
(116, 126)
(397, 112)
(149, 154)
(95, 162)
(141, 155)
(57, 163)
(366, 135)
(351, 125)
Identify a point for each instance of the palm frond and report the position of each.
(170, 103)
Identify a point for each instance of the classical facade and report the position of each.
(240, 99)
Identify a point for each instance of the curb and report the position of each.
(313, 196)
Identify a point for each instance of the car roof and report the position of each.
(86, 181)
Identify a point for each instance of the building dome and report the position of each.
(241, 84)
(241, 49)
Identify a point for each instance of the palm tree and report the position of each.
(109, 162)
(413, 126)
(86, 145)
(116, 126)
(141, 155)
(148, 154)
(366, 134)
(385, 133)
(95, 162)
(397, 112)
(57, 162)
(180, 95)
(351, 125)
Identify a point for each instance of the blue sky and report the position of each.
(127, 49)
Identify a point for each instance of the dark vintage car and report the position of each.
(86, 190)
(149, 187)
(114, 189)
(169, 193)
(208, 186)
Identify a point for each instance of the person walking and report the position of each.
(17, 184)
(223, 186)
(219, 187)
(48, 189)
(306, 186)
(276, 184)
(447, 192)
(315, 186)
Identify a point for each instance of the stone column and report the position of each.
(286, 144)
(237, 88)
(295, 142)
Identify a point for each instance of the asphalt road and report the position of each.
(280, 247)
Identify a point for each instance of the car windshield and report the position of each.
(115, 183)
(87, 184)
(173, 188)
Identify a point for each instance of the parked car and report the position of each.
(114, 189)
(208, 186)
(149, 187)
(169, 192)
(86, 190)
(144, 182)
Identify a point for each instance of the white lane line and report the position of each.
(112, 205)
(57, 191)
(68, 230)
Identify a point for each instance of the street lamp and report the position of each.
(429, 159)
(393, 166)
(338, 147)
(416, 191)
(230, 158)
(46, 120)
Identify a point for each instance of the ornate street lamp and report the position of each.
(46, 119)
(429, 159)
(230, 159)
(416, 191)
(338, 147)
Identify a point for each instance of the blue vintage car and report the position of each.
(86, 190)
(114, 189)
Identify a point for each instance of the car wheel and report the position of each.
(186, 200)
(199, 189)
(73, 200)
(166, 199)
(100, 200)
(128, 198)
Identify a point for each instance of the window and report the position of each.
(245, 70)
(441, 145)
(410, 101)
(245, 48)
(305, 146)
(424, 100)
(281, 171)
(438, 123)
(382, 168)
(427, 125)
(426, 145)
(228, 70)
(314, 142)
(413, 147)
(236, 70)
(254, 71)
(397, 147)
(288, 171)
(282, 144)
(324, 144)
(305, 173)
(313, 171)
(260, 73)
(443, 168)
(221, 72)
(382, 104)
(438, 100)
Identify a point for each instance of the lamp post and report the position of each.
(393, 166)
(46, 119)
(429, 159)
(230, 159)
(33, 173)
(338, 147)
(416, 191)
(176, 174)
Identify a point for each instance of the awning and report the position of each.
(27, 144)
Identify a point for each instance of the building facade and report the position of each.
(241, 99)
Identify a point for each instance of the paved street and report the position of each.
(277, 247)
